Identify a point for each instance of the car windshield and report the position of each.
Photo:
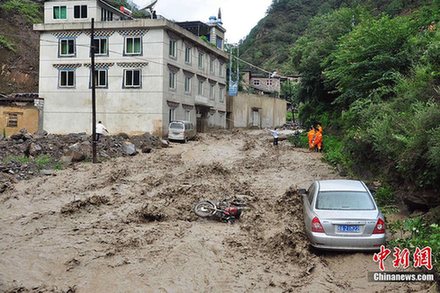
(344, 200)
(175, 125)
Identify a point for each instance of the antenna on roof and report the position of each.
(150, 8)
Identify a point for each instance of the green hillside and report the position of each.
(268, 43)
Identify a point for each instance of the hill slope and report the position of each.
(269, 42)
(19, 46)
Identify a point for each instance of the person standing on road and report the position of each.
(317, 142)
(311, 136)
(100, 129)
(275, 135)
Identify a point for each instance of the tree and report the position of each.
(370, 59)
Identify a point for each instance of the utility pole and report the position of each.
(92, 56)
(238, 64)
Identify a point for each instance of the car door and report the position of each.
(307, 206)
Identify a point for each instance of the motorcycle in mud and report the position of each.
(224, 210)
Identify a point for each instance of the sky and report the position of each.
(238, 16)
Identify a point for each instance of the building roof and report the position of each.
(19, 97)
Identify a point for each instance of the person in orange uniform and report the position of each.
(318, 140)
(321, 143)
(311, 136)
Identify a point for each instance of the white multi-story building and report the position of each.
(148, 71)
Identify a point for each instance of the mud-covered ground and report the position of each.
(126, 225)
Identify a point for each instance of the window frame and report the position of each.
(97, 78)
(188, 55)
(60, 46)
(99, 39)
(256, 82)
(81, 7)
(269, 82)
(12, 119)
(221, 94)
(134, 53)
(172, 49)
(200, 87)
(212, 91)
(59, 7)
(132, 86)
(200, 60)
(66, 71)
(172, 80)
(187, 115)
(211, 65)
(187, 85)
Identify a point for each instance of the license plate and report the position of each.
(348, 228)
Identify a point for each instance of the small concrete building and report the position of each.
(18, 111)
(148, 71)
(255, 111)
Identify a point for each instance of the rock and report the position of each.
(33, 149)
(47, 172)
(146, 149)
(123, 135)
(165, 143)
(79, 151)
(128, 148)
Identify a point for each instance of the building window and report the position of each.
(187, 115)
(256, 82)
(219, 42)
(221, 94)
(172, 80)
(67, 47)
(172, 114)
(269, 82)
(200, 88)
(211, 65)
(187, 55)
(80, 11)
(59, 12)
(173, 48)
(187, 84)
(106, 15)
(200, 60)
(132, 78)
(101, 78)
(101, 46)
(211, 92)
(66, 78)
(133, 46)
(12, 120)
(220, 69)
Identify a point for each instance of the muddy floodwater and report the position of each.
(126, 225)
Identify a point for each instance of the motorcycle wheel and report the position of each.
(204, 209)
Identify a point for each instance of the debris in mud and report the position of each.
(19, 153)
(6, 182)
(148, 213)
(215, 168)
(77, 205)
(71, 264)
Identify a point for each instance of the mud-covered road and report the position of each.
(126, 225)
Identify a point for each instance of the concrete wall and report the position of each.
(27, 118)
(271, 111)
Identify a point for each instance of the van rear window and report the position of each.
(175, 125)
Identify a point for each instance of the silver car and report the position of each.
(342, 215)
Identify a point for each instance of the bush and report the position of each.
(334, 151)
(30, 10)
(7, 44)
(415, 232)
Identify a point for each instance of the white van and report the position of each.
(181, 130)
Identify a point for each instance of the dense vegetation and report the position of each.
(268, 43)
